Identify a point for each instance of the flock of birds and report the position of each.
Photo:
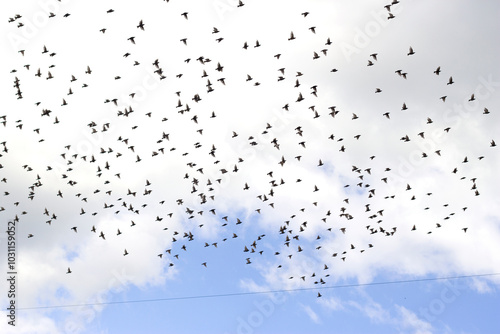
(111, 196)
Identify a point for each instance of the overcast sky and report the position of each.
(317, 147)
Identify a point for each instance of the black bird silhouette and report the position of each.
(141, 25)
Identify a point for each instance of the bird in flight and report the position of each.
(140, 25)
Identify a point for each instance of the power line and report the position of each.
(261, 292)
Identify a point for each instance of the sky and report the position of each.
(253, 167)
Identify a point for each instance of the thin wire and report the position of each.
(261, 292)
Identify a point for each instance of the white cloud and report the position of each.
(481, 286)
(311, 314)
(331, 303)
(373, 310)
(247, 109)
(410, 321)
(396, 316)
(31, 322)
